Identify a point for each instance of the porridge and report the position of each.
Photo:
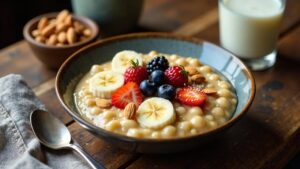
(155, 95)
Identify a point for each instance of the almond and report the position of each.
(68, 20)
(130, 111)
(42, 23)
(40, 39)
(71, 36)
(52, 40)
(78, 27)
(209, 91)
(191, 70)
(62, 16)
(87, 32)
(48, 30)
(35, 33)
(198, 78)
(103, 103)
(61, 27)
(62, 37)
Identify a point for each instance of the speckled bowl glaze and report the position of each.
(102, 51)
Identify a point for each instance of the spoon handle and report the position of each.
(93, 163)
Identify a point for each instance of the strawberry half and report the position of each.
(190, 95)
(128, 93)
(176, 76)
(135, 73)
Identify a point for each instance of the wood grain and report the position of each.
(52, 103)
(172, 14)
(20, 59)
(106, 154)
(268, 135)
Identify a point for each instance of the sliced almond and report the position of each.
(209, 91)
(191, 70)
(130, 111)
(103, 103)
(198, 78)
(42, 23)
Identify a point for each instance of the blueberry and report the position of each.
(166, 91)
(148, 88)
(157, 77)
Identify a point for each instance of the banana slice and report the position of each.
(103, 84)
(122, 60)
(156, 113)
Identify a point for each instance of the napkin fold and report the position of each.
(19, 148)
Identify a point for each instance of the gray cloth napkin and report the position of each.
(18, 146)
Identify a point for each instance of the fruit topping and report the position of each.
(157, 63)
(148, 88)
(155, 113)
(122, 60)
(190, 95)
(135, 73)
(103, 84)
(176, 76)
(166, 91)
(128, 93)
(157, 77)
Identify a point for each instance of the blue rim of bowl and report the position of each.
(144, 35)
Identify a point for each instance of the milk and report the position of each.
(249, 28)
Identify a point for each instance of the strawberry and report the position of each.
(176, 76)
(191, 95)
(128, 93)
(135, 73)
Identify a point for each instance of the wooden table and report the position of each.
(267, 137)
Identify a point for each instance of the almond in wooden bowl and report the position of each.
(53, 37)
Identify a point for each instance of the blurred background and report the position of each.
(13, 17)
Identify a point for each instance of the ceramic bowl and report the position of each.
(53, 56)
(102, 51)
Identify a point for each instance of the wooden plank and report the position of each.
(289, 48)
(198, 24)
(106, 154)
(52, 103)
(19, 59)
(172, 14)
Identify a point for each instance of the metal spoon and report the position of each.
(54, 134)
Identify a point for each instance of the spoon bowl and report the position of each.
(52, 133)
(49, 130)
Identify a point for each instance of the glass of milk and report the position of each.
(249, 29)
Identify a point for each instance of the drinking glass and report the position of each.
(250, 28)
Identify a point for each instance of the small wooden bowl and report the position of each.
(53, 56)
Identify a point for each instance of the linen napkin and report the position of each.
(19, 148)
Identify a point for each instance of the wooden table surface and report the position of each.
(267, 137)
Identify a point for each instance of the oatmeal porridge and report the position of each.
(155, 95)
